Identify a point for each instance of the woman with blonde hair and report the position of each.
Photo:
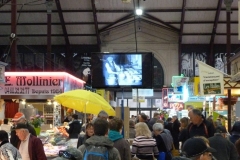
(144, 146)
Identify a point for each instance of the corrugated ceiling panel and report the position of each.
(40, 41)
(5, 30)
(41, 29)
(109, 17)
(201, 4)
(83, 40)
(161, 4)
(200, 16)
(78, 17)
(76, 4)
(196, 39)
(221, 28)
(37, 17)
(167, 16)
(112, 4)
(197, 28)
(5, 18)
(80, 29)
(223, 16)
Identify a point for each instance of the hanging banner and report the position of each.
(211, 80)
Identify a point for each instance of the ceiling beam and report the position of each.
(96, 24)
(45, 35)
(156, 24)
(94, 35)
(160, 21)
(139, 19)
(208, 34)
(106, 23)
(201, 22)
(59, 8)
(122, 11)
(117, 21)
(180, 36)
(58, 23)
(214, 30)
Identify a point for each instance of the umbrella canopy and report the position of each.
(84, 101)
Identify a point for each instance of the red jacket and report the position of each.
(35, 148)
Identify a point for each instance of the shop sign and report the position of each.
(211, 80)
(196, 99)
(33, 83)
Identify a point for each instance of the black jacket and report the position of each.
(74, 129)
(205, 129)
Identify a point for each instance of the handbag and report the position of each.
(175, 152)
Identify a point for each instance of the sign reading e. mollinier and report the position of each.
(32, 85)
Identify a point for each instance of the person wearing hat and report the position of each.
(69, 153)
(30, 147)
(235, 132)
(7, 150)
(18, 118)
(225, 149)
(196, 149)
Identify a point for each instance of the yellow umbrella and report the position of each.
(84, 101)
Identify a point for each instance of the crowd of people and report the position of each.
(190, 138)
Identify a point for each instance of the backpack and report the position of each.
(95, 153)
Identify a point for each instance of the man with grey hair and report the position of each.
(225, 148)
(199, 126)
(103, 115)
(30, 147)
(163, 139)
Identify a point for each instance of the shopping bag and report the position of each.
(161, 156)
(175, 152)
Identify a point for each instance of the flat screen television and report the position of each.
(122, 70)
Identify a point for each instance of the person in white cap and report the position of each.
(19, 117)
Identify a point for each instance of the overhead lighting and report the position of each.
(49, 102)
(23, 101)
(139, 12)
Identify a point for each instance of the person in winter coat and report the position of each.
(7, 150)
(225, 149)
(74, 127)
(100, 138)
(235, 132)
(114, 134)
(164, 140)
(89, 133)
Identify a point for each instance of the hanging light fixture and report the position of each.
(139, 11)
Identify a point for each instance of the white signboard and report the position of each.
(211, 80)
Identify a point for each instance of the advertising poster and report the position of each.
(211, 80)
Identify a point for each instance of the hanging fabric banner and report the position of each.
(211, 80)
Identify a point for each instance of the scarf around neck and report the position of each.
(114, 135)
